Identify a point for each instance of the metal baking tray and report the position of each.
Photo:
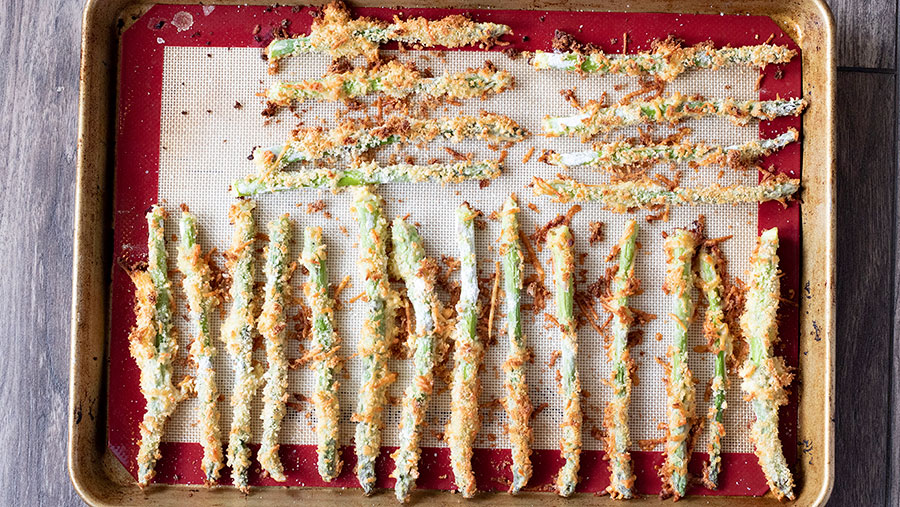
(101, 480)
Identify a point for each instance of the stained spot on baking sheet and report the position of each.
(182, 21)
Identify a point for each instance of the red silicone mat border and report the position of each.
(137, 164)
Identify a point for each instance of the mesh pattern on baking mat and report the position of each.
(205, 141)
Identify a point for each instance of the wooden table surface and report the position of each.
(39, 58)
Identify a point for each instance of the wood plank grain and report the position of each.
(38, 119)
(866, 33)
(865, 189)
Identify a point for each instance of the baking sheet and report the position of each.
(204, 141)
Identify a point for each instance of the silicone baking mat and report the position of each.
(189, 116)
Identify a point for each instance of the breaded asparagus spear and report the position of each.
(338, 34)
(765, 375)
(375, 336)
(561, 243)
(152, 345)
(518, 404)
(363, 173)
(201, 301)
(618, 439)
(237, 333)
(595, 117)
(271, 325)
(720, 342)
(667, 60)
(680, 247)
(393, 79)
(624, 153)
(464, 419)
(352, 137)
(418, 274)
(326, 343)
(624, 195)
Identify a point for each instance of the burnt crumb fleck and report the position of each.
(238, 105)
(159, 24)
(339, 66)
(185, 113)
(209, 111)
(511, 52)
(281, 31)
(525, 38)
(565, 43)
(209, 55)
(270, 110)
(542, 18)
(252, 152)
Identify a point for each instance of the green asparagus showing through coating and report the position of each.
(201, 300)
(464, 419)
(518, 404)
(325, 353)
(764, 375)
(237, 333)
(720, 342)
(338, 34)
(393, 79)
(272, 325)
(353, 137)
(625, 153)
(622, 196)
(667, 60)
(418, 274)
(375, 337)
(618, 439)
(363, 173)
(680, 247)
(597, 117)
(561, 243)
(153, 346)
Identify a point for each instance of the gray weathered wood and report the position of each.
(38, 116)
(865, 188)
(866, 33)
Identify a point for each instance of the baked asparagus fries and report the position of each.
(622, 196)
(518, 404)
(353, 137)
(561, 243)
(596, 117)
(201, 300)
(418, 274)
(464, 418)
(326, 344)
(363, 173)
(338, 34)
(237, 333)
(667, 60)
(376, 332)
(625, 153)
(272, 324)
(680, 247)
(720, 342)
(618, 439)
(393, 79)
(152, 345)
(764, 375)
